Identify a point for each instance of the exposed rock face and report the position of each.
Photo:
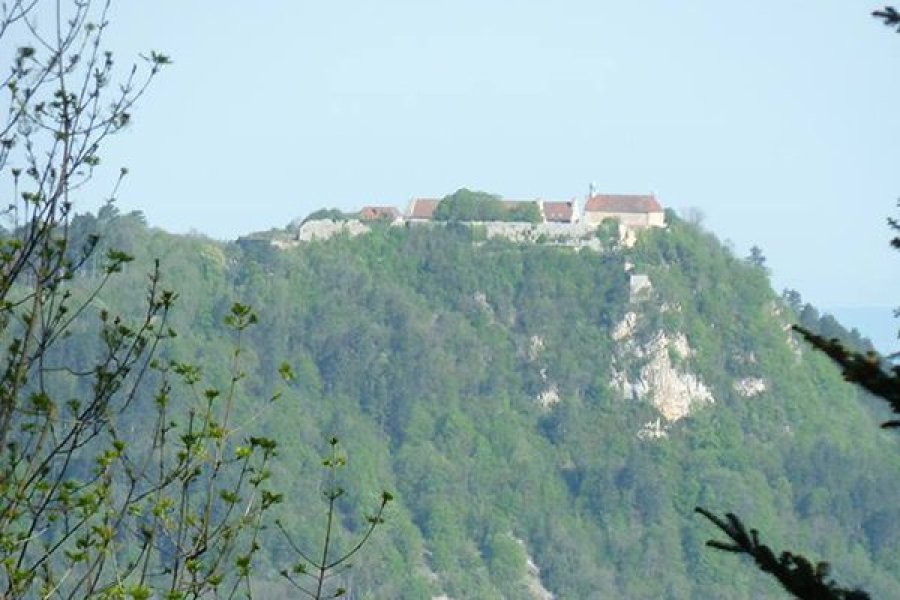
(549, 397)
(326, 228)
(745, 358)
(536, 589)
(680, 344)
(625, 329)
(533, 584)
(653, 430)
(792, 341)
(665, 307)
(750, 386)
(639, 287)
(675, 393)
(627, 236)
(433, 578)
(481, 300)
(536, 346)
(284, 244)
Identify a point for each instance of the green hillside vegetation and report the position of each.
(426, 350)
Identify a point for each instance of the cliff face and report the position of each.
(674, 392)
(547, 416)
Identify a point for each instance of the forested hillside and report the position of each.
(546, 426)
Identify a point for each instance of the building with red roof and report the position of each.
(634, 211)
(555, 211)
(379, 213)
(421, 209)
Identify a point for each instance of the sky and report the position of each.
(777, 119)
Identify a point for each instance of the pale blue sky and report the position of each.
(777, 118)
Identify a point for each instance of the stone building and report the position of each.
(633, 211)
(555, 211)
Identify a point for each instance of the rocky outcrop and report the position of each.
(549, 397)
(535, 347)
(653, 430)
(639, 287)
(536, 589)
(750, 386)
(625, 329)
(674, 392)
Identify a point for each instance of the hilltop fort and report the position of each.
(635, 211)
(567, 222)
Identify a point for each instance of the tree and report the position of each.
(796, 573)
(320, 569)
(756, 258)
(793, 299)
(122, 473)
(333, 214)
(693, 215)
(466, 205)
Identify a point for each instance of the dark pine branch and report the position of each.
(895, 225)
(794, 572)
(889, 15)
(863, 369)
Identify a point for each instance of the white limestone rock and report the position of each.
(750, 386)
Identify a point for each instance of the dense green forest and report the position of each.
(477, 380)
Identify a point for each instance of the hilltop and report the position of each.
(547, 416)
(569, 222)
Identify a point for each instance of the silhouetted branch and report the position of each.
(895, 225)
(795, 573)
(863, 369)
(889, 15)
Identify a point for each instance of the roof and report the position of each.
(517, 204)
(379, 212)
(622, 203)
(558, 211)
(422, 208)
